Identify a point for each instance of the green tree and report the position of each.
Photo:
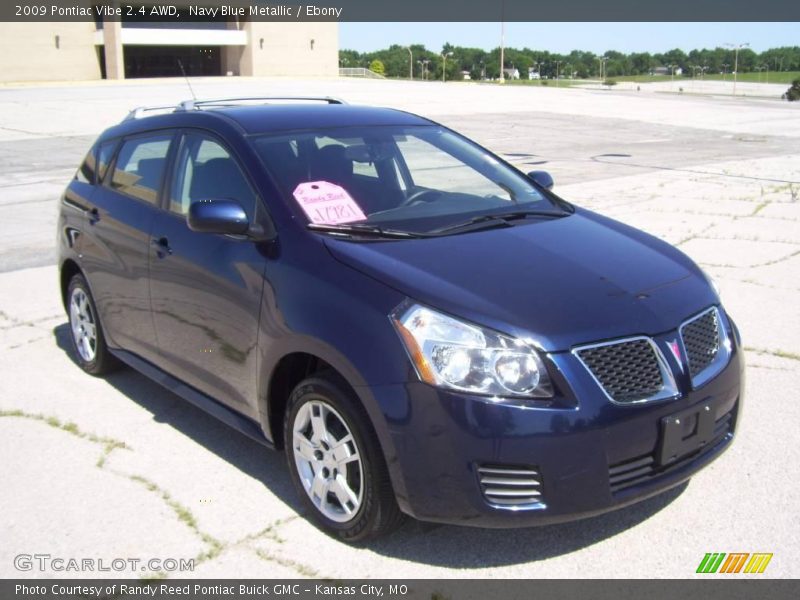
(793, 93)
(376, 66)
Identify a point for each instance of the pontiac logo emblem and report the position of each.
(676, 352)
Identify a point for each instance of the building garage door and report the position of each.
(165, 61)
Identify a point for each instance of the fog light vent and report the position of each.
(511, 487)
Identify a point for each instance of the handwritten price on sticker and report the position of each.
(327, 203)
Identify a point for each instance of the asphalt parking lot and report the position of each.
(119, 467)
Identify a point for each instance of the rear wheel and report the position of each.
(87, 336)
(336, 462)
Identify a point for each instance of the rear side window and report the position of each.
(104, 156)
(86, 171)
(140, 167)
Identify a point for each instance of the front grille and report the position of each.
(641, 469)
(514, 487)
(628, 370)
(701, 339)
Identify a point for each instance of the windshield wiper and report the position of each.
(496, 220)
(363, 229)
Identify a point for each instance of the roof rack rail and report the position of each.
(188, 105)
(139, 111)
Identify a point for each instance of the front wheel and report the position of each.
(336, 462)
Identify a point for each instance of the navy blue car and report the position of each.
(424, 329)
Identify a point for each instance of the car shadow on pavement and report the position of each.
(469, 547)
(245, 454)
(437, 545)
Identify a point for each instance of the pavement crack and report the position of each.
(15, 322)
(695, 235)
(109, 444)
(269, 532)
(214, 546)
(776, 352)
(299, 568)
(185, 515)
(753, 266)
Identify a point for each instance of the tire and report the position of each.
(86, 332)
(340, 447)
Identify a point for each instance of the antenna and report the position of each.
(180, 64)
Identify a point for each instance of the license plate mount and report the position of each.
(685, 432)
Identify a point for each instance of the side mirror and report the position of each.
(543, 178)
(218, 216)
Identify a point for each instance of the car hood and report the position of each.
(561, 282)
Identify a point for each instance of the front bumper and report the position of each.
(591, 456)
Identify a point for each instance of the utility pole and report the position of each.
(736, 48)
(603, 60)
(444, 63)
(558, 62)
(424, 68)
(502, 41)
(410, 64)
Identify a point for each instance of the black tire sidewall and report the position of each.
(323, 389)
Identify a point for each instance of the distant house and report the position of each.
(666, 71)
(534, 74)
(511, 73)
(465, 75)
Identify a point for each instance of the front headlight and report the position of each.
(461, 356)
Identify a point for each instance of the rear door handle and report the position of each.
(93, 215)
(162, 246)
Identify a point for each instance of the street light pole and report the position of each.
(603, 60)
(502, 41)
(424, 68)
(444, 63)
(736, 48)
(558, 62)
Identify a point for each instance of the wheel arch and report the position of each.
(297, 361)
(69, 268)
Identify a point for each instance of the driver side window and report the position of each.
(205, 170)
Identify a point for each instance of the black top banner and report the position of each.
(166, 11)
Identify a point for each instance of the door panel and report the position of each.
(116, 243)
(206, 288)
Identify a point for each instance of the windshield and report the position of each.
(415, 179)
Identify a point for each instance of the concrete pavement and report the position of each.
(119, 467)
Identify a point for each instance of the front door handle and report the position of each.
(94, 216)
(162, 246)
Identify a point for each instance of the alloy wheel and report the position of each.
(83, 324)
(328, 461)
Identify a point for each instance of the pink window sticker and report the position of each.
(327, 203)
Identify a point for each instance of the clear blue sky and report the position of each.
(563, 37)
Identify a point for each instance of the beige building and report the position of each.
(116, 50)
